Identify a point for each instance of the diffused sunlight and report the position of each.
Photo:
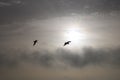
(76, 35)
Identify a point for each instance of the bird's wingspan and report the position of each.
(67, 43)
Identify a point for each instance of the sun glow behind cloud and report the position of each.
(75, 34)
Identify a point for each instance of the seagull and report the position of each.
(66, 43)
(35, 41)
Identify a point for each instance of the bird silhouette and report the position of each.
(34, 42)
(66, 43)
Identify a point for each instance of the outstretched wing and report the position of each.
(69, 41)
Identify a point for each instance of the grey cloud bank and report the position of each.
(90, 63)
(61, 57)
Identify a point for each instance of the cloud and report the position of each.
(88, 64)
(17, 1)
(11, 3)
(63, 58)
(2, 4)
(42, 9)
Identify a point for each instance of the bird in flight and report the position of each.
(66, 43)
(34, 42)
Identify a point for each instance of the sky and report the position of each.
(92, 26)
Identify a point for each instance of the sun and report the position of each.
(75, 35)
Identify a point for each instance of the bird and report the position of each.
(66, 43)
(34, 42)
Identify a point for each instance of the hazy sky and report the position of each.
(93, 26)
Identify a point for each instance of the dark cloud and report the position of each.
(21, 10)
(88, 56)
(2, 4)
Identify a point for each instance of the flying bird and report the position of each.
(34, 42)
(66, 43)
